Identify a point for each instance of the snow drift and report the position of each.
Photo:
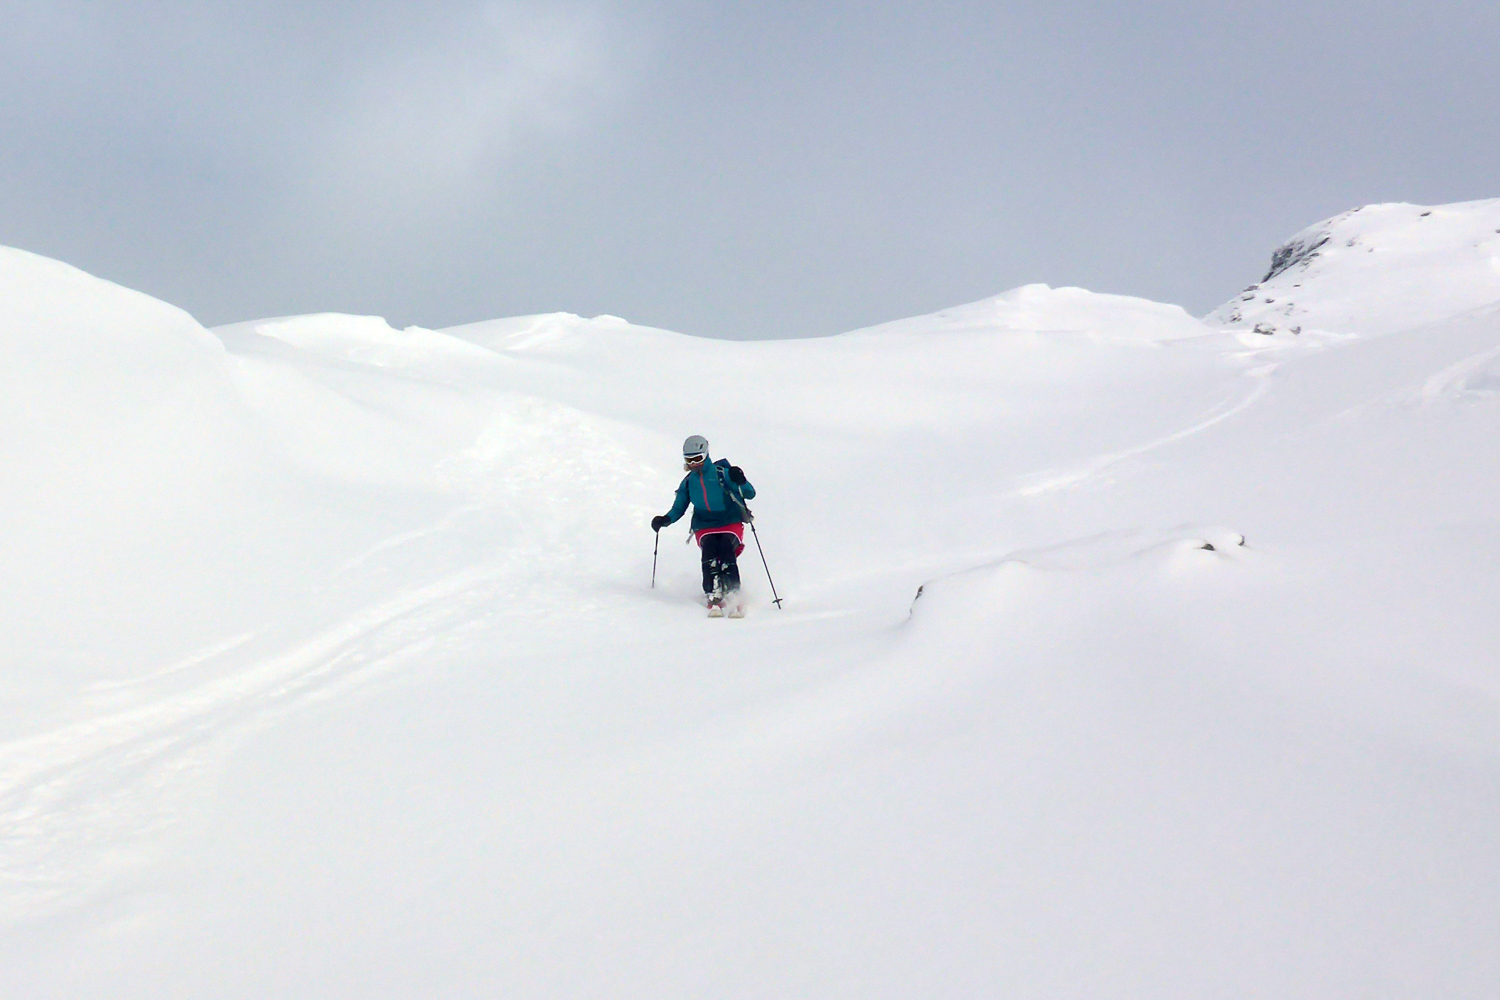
(333, 668)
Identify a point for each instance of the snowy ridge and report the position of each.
(334, 668)
(1042, 309)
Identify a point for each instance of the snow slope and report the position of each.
(335, 670)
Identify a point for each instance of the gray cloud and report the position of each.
(734, 170)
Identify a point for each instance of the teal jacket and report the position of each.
(716, 501)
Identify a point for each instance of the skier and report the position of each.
(717, 491)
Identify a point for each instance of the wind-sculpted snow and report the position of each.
(334, 668)
(129, 461)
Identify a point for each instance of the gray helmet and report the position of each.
(695, 446)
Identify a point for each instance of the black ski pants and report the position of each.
(721, 573)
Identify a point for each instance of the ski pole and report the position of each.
(654, 547)
(763, 562)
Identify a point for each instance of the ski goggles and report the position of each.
(692, 461)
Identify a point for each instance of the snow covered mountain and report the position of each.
(1123, 654)
(1377, 269)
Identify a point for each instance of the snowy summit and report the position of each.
(1377, 269)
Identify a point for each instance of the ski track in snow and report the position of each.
(1040, 483)
(83, 790)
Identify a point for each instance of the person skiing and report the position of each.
(717, 491)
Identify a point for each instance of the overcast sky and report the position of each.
(726, 169)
